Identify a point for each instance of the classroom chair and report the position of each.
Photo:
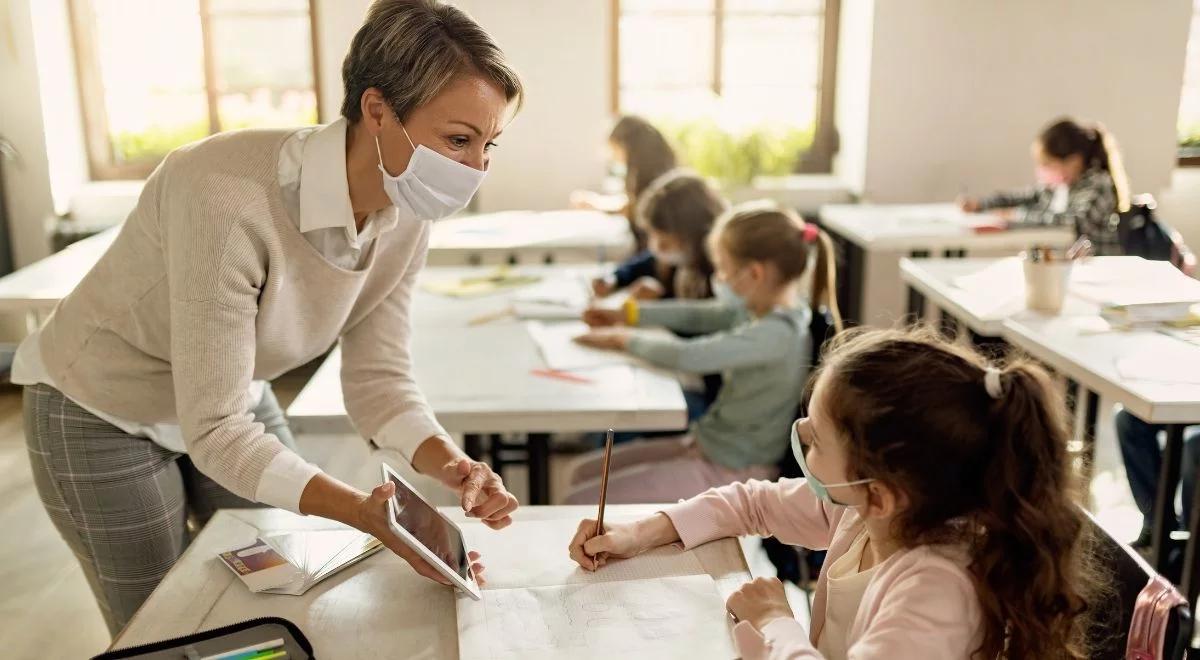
(1132, 578)
(793, 563)
(1143, 235)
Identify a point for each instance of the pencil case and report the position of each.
(218, 641)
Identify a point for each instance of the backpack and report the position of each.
(1143, 235)
(1151, 614)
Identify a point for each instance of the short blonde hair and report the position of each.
(411, 50)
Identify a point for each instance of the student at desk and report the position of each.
(1143, 465)
(249, 254)
(1080, 183)
(755, 335)
(642, 154)
(941, 487)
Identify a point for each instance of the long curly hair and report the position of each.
(992, 473)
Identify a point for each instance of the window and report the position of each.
(156, 74)
(1189, 103)
(744, 87)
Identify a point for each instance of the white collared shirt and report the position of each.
(312, 177)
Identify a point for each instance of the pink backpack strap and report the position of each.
(1151, 613)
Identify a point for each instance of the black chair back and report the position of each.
(1128, 573)
(1143, 234)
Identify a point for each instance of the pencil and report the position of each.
(608, 443)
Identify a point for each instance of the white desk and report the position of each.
(528, 237)
(874, 237)
(377, 604)
(477, 380)
(35, 289)
(1078, 344)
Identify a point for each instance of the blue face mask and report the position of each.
(727, 295)
(814, 484)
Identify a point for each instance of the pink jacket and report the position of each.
(920, 603)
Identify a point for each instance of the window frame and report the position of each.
(101, 165)
(819, 157)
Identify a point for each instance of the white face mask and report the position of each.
(432, 186)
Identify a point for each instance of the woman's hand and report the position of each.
(602, 286)
(616, 339)
(599, 317)
(646, 288)
(372, 518)
(620, 540)
(968, 204)
(482, 491)
(760, 602)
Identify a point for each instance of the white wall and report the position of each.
(958, 90)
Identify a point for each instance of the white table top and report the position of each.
(564, 236)
(39, 286)
(569, 236)
(1077, 342)
(982, 308)
(379, 603)
(477, 378)
(933, 227)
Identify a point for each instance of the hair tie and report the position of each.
(991, 381)
(810, 232)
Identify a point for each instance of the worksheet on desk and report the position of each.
(680, 617)
(538, 603)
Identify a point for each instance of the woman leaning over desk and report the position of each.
(249, 254)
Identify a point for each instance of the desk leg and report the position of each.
(539, 468)
(1190, 554)
(916, 305)
(948, 325)
(1088, 455)
(851, 275)
(473, 446)
(1164, 501)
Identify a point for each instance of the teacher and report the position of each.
(249, 254)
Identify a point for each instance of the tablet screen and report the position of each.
(431, 529)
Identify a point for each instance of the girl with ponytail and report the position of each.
(755, 333)
(1081, 184)
(941, 486)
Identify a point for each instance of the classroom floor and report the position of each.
(46, 608)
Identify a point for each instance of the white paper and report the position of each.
(534, 554)
(1177, 367)
(674, 617)
(560, 298)
(556, 342)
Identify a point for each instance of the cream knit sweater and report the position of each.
(210, 285)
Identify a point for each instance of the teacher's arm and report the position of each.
(386, 405)
(214, 281)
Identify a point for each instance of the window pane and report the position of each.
(776, 50)
(153, 79)
(659, 51)
(1189, 102)
(257, 6)
(264, 82)
(629, 7)
(775, 6)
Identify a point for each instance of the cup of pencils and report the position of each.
(1048, 274)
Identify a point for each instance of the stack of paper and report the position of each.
(498, 280)
(310, 556)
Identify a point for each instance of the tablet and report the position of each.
(434, 536)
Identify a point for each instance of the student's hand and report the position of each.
(646, 288)
(968, 204)
(482, 491)
(614, 339)
(760, 602)
(372, 518)
(583, 199)
(477, 567)
(620, 540)
(599, 317)
(602, 287)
